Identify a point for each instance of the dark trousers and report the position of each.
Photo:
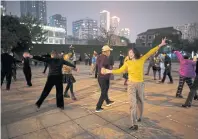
(8, 75)
(69, 86)
(149, 67)
(167, 72)
(96, 71)
(46, 65)
(14, 73)
(193, 92)
(51, 81)
(28, 75)
(75, 63)
(155, 70)
(104, 86)
(182, 80)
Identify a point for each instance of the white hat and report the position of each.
(106, 48)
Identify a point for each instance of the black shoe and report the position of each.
(179, 96)
(196, 97)
(109, 103)
(8, 88)
(30, 84)
(139, 120)
(170, 82)
(66, 95)
(99, 109)
(146, 74)
(135, 127)
(160, 82)
(37, 106)
(185, 106)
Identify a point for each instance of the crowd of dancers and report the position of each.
(131, 66)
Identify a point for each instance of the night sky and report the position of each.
(138, 16)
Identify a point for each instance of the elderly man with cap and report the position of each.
(103, 80)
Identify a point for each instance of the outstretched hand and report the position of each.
(163, 43)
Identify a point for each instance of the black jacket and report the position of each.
(55, 64)
(167, 62)
(7, 62)
(196, 68)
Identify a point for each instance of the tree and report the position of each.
(15, 36)
(125, 39)
(36, 31)
(190, 46)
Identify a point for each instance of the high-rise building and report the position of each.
(189, 31)
(115, 21)
(35, 8)
(105, 19)
(85, 28)
(58, 21)
(125, 32)
(3, 8)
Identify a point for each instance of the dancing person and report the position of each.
(135, 68)
(162, 64)
(156, 67)
(103, 80)
(93, 63)
(46, 65)
(68, 78)
(6, 68)
(193, 90)
(14, 68)
(54, 78)
(151, 63)
(86, 59)
(167, 71)
(186, 72)
(27, 69)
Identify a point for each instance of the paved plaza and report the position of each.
(163, 116)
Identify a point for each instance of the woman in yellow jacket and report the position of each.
(68, 78)
(135, 69)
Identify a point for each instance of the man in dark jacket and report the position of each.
(167, 65)
(6, 68)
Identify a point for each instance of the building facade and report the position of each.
(115, 22)
(125, 32)
(146, 38)
(37, 9)
(58, 21)
(3, 8)
(85, 28)
(105, 20)
(189, 31)
(54, 35)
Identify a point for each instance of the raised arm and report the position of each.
(122, 69)
(154, 50)
(39, 58)
(68, 63)
(179, 56)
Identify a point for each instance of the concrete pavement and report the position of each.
(163, 116)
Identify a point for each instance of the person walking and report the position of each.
(68, 78)
(193, 90)
(151, 63)
(186, 72)
(135, 68)
(103, 80)
(6, 68)
(55, 78)
(27, 69)
(167, 71)
(74, 59)
(121, 59)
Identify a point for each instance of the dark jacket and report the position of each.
(103, 62)
(167, 62)
(7, 62)
(55, 64)
(196, 68)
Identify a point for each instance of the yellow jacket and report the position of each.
(135, 68)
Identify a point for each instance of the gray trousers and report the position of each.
(136, 100)
(193, 91)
